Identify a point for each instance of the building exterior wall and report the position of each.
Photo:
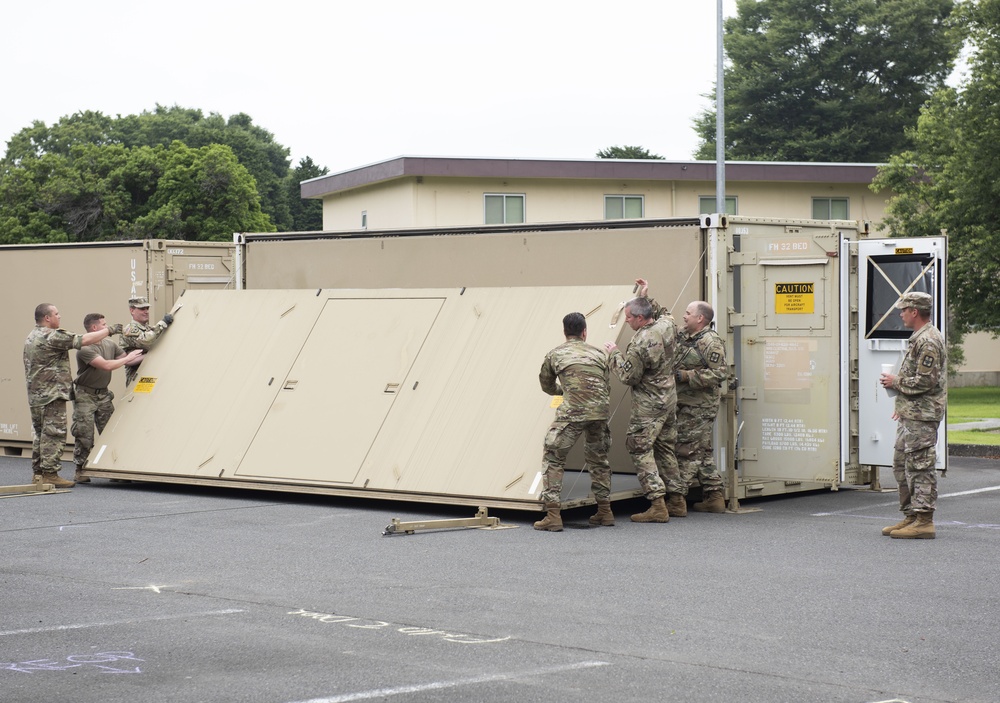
(982, 358)
(448, 202)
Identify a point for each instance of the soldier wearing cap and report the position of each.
(138, 334)
(920, 407)
(47, 373)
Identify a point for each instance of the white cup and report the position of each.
(887, 368)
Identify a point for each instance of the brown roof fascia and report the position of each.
(591, 169)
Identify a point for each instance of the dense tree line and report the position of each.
(949, 180)
(172, 173)
(837, 80)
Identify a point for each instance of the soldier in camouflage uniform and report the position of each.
(47, 374)
(647, 367)
(579, 373)
(700, 370)
(138, 334)
(920, 407)
(92, 404)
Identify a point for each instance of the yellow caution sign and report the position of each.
(145, 384)
(794, 298)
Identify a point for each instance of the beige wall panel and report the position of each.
(293, 388)
(669, 256)
(84, 278)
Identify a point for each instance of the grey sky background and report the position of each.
(354, 83)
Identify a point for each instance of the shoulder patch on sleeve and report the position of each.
(927, 360)
(714, 357)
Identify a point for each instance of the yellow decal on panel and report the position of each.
(794, 298)
(556, 401)
(904, 250)
(145, 384)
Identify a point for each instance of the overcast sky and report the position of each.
(352, 83)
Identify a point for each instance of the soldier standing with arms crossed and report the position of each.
(700, 371)
(47, 373)
(647, 366)
(93, 404)
(920, 407)
(579, 373)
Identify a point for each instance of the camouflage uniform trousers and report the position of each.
(48, 425)
(650, 442)
(694, 448)
(90, 409)
(913, 465)
(559, 440)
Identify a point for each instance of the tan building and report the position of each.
(444, 192)
(428, 192)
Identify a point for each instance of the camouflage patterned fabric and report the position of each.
(579, 373)
(920, 405)
(136, 335)
(46, 365)
(647, 366)
(48, 379)
(695, 459)
(701, 365)
(89, 409)
(559, 440)
(48, 425)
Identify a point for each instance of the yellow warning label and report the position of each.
(794, 298)
(145, 384)
(556, 401)
(904, 250)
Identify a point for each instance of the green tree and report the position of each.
(307, 215)
(627, 152)
(105, 192)
(254, 147)
(949, 181)
(835, 80)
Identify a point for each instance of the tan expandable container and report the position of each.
(83, 278)
(423, 394)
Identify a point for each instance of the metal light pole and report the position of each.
(720, 129)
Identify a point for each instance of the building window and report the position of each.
(617, 207)
(364, 219)
(830, 209)
(502, 208)
(706, 205)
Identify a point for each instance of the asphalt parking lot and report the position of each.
(153, 592)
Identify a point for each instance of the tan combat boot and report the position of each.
(603, 516)
(713, 503)
(79, 477)
(677, 506)
(56, 480)
(657, 512)
(921, 528)
(552, 522)
(905, 522)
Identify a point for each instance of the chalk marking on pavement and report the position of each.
(896, 502)
(153, 588)
(85, 625)
(437, 685)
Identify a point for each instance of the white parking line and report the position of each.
(83, 626)
(896, 502)
(436, 685)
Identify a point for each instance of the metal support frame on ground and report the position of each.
(481, 521)
(31, 489)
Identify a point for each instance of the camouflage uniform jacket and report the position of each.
(46, 364)
(922, 382)
(701, 363)
(578, 372)
(136, 335)
(648, 367)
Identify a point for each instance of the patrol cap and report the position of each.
(919, 301)
(139, 302)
